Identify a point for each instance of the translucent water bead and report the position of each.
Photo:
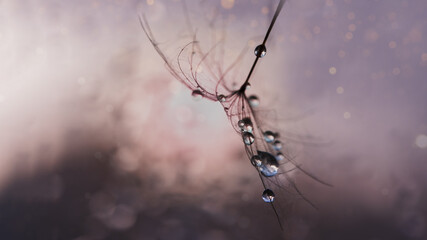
(248, 138)
(269, 165)
(221, 98)
(253, 101)
(260, 51)
(245, 125)
(268, 196)
(269, 136)
(280, 156)
(277, 145)
(197, 94)
(248, 86)
(256, 161)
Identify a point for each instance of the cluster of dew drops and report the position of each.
(265, 162)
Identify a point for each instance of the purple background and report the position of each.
(98, 141)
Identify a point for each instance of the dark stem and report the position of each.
(276, 14)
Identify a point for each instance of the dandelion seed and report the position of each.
(262, 147)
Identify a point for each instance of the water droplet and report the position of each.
(280, 156)
(269, 136)
(269, 165)
(248, 86)
(277, 145)
(268, 196)
(260, 51)
(248, 138)
(253, 100)
(197, 94)
(256, 161)
(221, 98)
(245, 125)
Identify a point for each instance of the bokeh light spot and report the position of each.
(227, 4)
(347, 115)
(421, 141)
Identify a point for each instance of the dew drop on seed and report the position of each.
(197, 94)
(256, 161)
(269, 136)
(268, 196)
(280, 156)
(269, 165)
(221, 98)
(277, 145)
(248, 138)
(253, 100)
(260, 51)
(245, 125)
(247, 86)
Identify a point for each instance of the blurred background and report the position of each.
(98, 141)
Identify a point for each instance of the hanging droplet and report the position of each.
(260, 51)
(253, 100)
(269, 136)
(280, 156)
(256, 161)
(277, 145)
(221, 98)
(197, 94)
(245, 125)
(247, 86)
(248, 138)
(269, 165)
(268, 196)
